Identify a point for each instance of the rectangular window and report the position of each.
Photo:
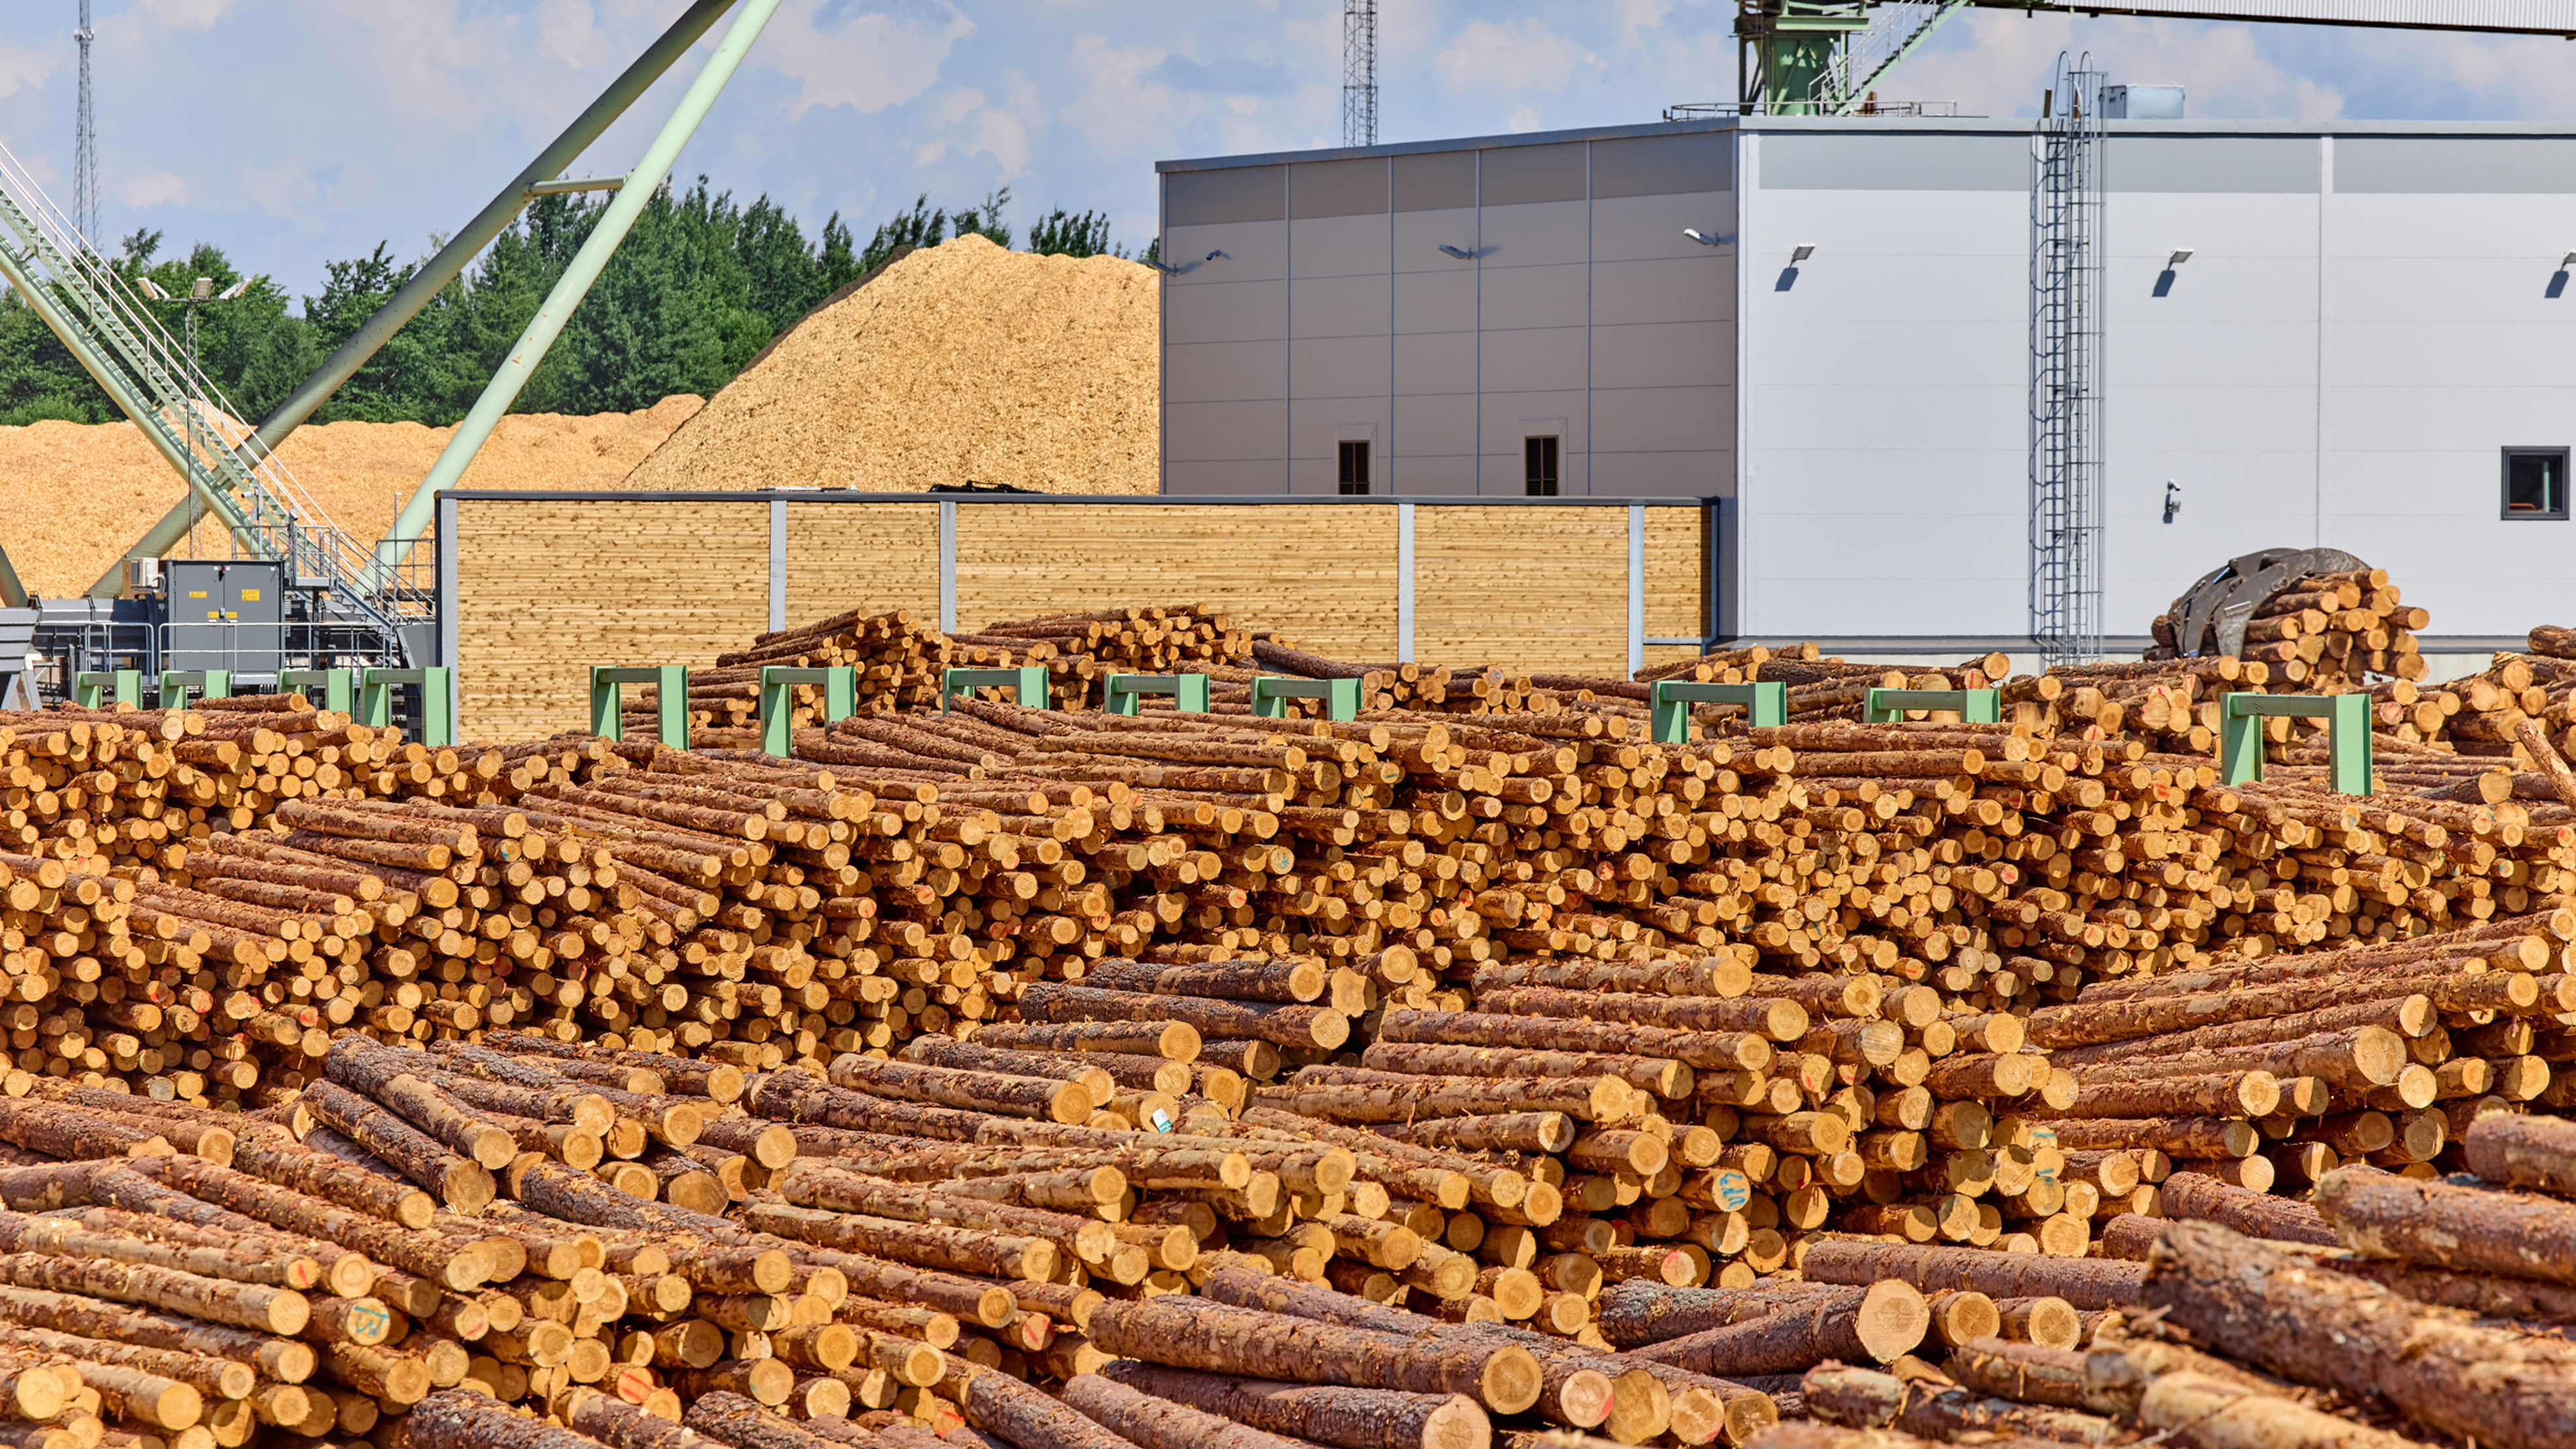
(1538, 466)
(1355, 472)
(2535, 484)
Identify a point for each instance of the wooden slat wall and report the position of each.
(547, 588)
(881, 557)
(1323, 575)
(544, 590)
(1538, 589)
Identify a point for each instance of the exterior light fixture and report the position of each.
(1803, 251)
(1704, 239)
(1458, 252)
(2179, 257)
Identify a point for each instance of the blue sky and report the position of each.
(296, 131)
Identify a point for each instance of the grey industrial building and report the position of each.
(2358, 335)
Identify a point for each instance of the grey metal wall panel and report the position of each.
(1205, 198)
(1512, 414)
(1517, 175)
(2215, 163)
(2432, 165)
(1341, 306)
(1338, 246)
(1231, 312)
(1662, 475)
(1249, 251)
(1535, 234)
(1640, 228)
(1443, 476)
(1208, 478)
(1338, 188)
(1224, 371)
(1880, 161)
(1435, 301)
(1225, 432)
(1532, 359)
(1316, 428)
(1662, 165)
(1433, 181)
(1441, 426)
(1435, 362)
(1662, 419)
(1534, 296)
(1340, 367)
(1678, 289)
(1660, 355)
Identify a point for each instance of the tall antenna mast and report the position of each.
(85, 145)
(1359, 72)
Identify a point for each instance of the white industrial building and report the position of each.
(2357, 335)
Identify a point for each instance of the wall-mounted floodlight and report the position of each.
(1212, 256)
(1459, 252)
(2180, 256)
(1803, 251)
(2569, 261)
(1704, 239)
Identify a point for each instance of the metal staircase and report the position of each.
(106, 325)
(1896, 27)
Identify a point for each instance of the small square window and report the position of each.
(1355, 467)
(1538, 466)
(2535, 484)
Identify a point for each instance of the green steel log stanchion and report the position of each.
(671, 701)
(437, 701)
(1271, 693)
(208, 683)
(778, 700)
(91, 689)
(339, 687)
(1672, 698)
(2348, 744)
(1027, 684)
(1975, 706)
(1125, 693)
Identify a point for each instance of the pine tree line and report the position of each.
(699, 287)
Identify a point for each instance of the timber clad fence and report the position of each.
(537, 587)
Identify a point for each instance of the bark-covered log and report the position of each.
(2209, 1413)
(1004, 1406)
(2085, 1283)
(2317, 1327)
(457, 1419)
(1347, 1418)
(385, 1242)
(277, 1158)
(2255, 1214)
(281, 1359)
(2023, 1372)
(2533, 1152)
(2466, 1229)
(1153, 1422)
(1639, 1312)
(2488, 1295)
(1503, 1377)
(1880, 1322)
(1867, 1399)
(462, 1183)
(732, 1419)
(243, 1305)
(1016, 1096)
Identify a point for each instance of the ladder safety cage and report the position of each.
(840, 685)
(2069, 169)
(1125, 693)
(1671, 700)
(208, 683)
(1974, 706)
(671, 701)
(1271, 693)
(2348, 745)
(437, 701)
(1027, 684)
(339, 688)
(96, 689)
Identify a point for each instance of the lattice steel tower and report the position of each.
(2067, 248)
(1359, 72)
(85, 144)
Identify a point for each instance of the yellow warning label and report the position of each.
(196, 593)
(250, 596)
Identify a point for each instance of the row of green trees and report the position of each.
(700, 286)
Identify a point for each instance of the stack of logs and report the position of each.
(2325, 633)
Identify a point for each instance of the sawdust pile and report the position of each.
(74, 497)
(960, 363)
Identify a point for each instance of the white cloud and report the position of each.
(1121, 105)
(160, 17)
(1524, 119)
(24, 68)
(866, 62)
(1997, 65)
(568, 31)
(1515, 55)
(158, 188)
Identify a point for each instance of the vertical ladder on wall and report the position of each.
(2067, 247)
(100, 319)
